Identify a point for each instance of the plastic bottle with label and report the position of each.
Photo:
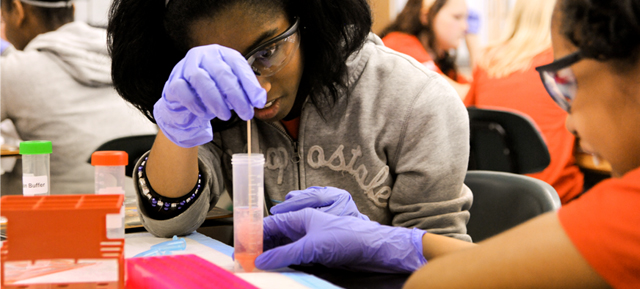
(109, 179)
(35, 167)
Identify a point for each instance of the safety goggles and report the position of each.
(559, 80)
(273, 55)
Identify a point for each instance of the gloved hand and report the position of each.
(473, 22)
(311, 236)
(3, 45)
(207, 83)
(330, 200)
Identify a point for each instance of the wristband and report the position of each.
(160, 207)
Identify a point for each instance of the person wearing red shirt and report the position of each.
(505, 79)
(429, 30)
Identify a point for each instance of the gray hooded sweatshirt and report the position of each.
(59, 88)
(398, 143)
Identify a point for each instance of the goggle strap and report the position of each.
(42, 4)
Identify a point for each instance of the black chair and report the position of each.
(135, 146)
(505, 141)
(503, 200)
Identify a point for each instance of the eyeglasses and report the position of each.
(273, 55)
(559, 80)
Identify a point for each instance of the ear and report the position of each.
(16, 15)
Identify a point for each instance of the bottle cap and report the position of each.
(35, 147)
(109, 158)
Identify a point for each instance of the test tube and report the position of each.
(248, 202)
(35, 167)
(109, 169)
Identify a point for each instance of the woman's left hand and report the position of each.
(310, 236)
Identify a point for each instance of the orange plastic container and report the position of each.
(61, 227)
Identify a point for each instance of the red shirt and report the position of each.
(524, 92)
(604, 225)
(411, 45)
(292, 127)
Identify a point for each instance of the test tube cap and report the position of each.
(35, 147)
(109, 158)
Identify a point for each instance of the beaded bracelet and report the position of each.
(163, 203)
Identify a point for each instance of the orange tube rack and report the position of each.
(61, 227)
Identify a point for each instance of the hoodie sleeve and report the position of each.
(191, 219)
(436, 120)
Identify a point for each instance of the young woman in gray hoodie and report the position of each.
(331, 107)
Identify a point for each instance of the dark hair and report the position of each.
(604, 30)
(51, 18)
(408, 21)
(146, 40)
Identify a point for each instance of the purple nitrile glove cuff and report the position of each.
(416, 241)
(401, 252)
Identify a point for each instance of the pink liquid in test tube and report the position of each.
(248, 203)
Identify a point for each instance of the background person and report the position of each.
(57, 86)
(430, 31)
(505, 78)
(592, 242)
(326, 102)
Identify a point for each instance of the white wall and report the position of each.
(396, 7)
(94, 12)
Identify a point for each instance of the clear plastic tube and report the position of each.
(248, 203)
(109, 167)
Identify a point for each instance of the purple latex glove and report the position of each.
(207, 83)
(3, 45)
(330, 200)
(473, 22)
(311, 236)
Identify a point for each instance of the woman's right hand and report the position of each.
(207, 83)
